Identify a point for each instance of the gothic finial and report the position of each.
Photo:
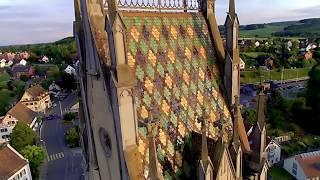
(260, 109)
(153, 160)
(232, 8)
(262, 83)
(204, 147)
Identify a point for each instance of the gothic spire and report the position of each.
(204, 146)
(260, 108)
(153, 160)
(232, 8)
(237, 116)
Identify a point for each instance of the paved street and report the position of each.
(62, 163)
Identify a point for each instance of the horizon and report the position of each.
(53, 19)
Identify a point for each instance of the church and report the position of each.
(160, 92)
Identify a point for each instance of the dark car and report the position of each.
(50, 117)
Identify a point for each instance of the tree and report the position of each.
(69, 116)
(72, 138)
(24, 78)
(22, 135)
(36, 156)
(278, 110)
(250, 116)
(313, 99)
(68, 82)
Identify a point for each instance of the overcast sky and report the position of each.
(36, 21)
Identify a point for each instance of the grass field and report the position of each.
(278, 173)
(4, 77)
(255, 54)
(263, 33)
(253, 76)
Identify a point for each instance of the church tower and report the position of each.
(232, 61)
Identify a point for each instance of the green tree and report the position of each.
(68, 82)
(313, 99)
(72, 138)
(24, 78)
(278, 110)
(69, 116)
(250, 116)
(22, 135)
(36, 156)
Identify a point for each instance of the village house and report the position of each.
(304, 166)
(5, 131)
(242, 64)
(19, 70)
(44, 59)
(23, 62)
(273, 150)
(36, 98)
(308, 55)
(21, 113)
(8, 56)
(70, 70)
(24, 55)
(13, 165)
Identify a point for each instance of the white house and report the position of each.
(289, 44)
(273, 150)
(257, 43)
(2, 64)
(23, 62)
(5, 131)
(13, 165)
(304, 166)
(54, 87)
(44, 59)
(242, 64)
(70, 70)
(9, 63)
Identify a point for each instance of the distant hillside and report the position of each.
(304, 28)
(62, 50)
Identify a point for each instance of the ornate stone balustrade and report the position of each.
(156, 5)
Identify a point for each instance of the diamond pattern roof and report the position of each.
(177, 75)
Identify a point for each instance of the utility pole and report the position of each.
(60, 108)
(282, 75)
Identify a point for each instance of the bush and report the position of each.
(24, 78)
(72, 138)
(69, 116)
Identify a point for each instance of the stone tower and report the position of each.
(232, 61)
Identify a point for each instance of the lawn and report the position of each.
(263, 32)
(278, 173)
(254, 55)
(4, 77)
(253, 76)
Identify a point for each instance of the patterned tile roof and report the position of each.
(177, 75)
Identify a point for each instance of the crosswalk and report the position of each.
(56, 156)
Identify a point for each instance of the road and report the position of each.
(62, 163)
